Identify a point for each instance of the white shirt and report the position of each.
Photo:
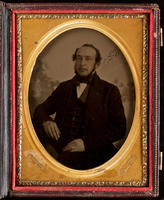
(80, 89)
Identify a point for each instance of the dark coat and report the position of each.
(105, 120)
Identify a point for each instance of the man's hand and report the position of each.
(76, 145)
(51, 129)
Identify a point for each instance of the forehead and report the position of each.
(86, 51)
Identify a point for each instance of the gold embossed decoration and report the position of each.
(129, 166)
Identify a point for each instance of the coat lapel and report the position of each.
(95, 98)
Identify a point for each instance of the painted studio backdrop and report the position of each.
(54, 65)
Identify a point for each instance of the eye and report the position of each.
(88, 58)
(78, 58)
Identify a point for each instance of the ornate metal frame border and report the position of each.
(144, 99)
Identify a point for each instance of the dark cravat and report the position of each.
(78, 79)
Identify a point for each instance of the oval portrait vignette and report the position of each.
(81, 98)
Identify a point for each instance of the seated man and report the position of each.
(89, 115)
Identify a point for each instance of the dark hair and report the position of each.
(98, 55)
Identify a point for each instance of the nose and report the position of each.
(83, 61)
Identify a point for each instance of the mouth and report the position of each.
(82, 70)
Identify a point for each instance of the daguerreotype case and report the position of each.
(79, 100)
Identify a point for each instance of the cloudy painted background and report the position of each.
(54, 65)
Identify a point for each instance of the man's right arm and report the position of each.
(42, 114)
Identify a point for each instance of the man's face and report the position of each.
(85, 61)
